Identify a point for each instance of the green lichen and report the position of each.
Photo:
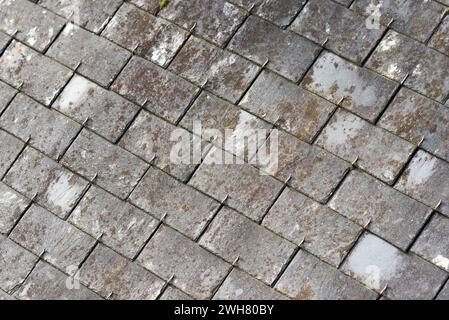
(163, 4)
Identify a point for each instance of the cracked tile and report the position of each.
(12, 206)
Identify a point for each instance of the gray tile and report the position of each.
(4, 40)
(11, 147)
(151, 6)
(173, 294)
(444, 294)
(5, 297)
(440, 40)
(12, 205)
(6, 95)
(280, 12)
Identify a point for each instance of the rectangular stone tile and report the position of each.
(356, 89)
(116, 170)
(6, 95)
(308, 278)
(57, 189)
(413, 116)
(425, 179)
(92, 15)
(109, 114)
(227, 74)
(50, 131)
(101, 60)
(152, 6)
(121, 226)
(166, 94)
(379, 152)
(186, 209)
(36, 26)
(216, 21)
(195, 270)
(240, 286)
(65, 246)
(325, 233)
(16, 263)
(22, 66)
(377, 264)
(433, 243)
(11, 147)
(155, 39)
(347, 33)
(263, 254)
(416, 18)
(440, 40)
(106, 273)
(444, 294)
(276, 100)
(48, 283)
(12, 205)
(259, 40)
(398, 56)
(392, 215)
(248, 189)
(173, 294)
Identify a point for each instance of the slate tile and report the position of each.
(425, 179)
(5, 297)
(101, 60)
(173, 294)
(196, 271)
(4, 40)
(440, 40)
(275, 99)
(157, 39)
(280, 12)
(259, 40)
(392, 215)
(6, 95)
(152, 6)
(444, 294)
(12, 205)
(57, 189)
(380, 153)
(227, 74)
(36, 26)
(364, 92)
(108, 113)
(376, 263)
(187, 210)
(22, 65)
(122, 226)
(240, 286)
(308, 278)
(433, 243)
(106, 273)
(167, 95)
(325, 233)
(412, 117)
(117, 170)
(65, 246)
(50, 131)
(11, 147)
(216, 21)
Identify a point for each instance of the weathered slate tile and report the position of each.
(20, 65)
(440, 40)
(444, 294)
(280, 12)
(425, 179)
(101, 60)
(36, 26)
(248, 189)
(259, 40)
(433, 243)
(48, 283)
(416, 18)
(92, 15)
(12, 205)
(215, 20)
(325, 233)
(167, 95)
(6, 95)
(173, 294)
(392, 215)
(50, 131)
(379, 152)
(11, 147)
(413, 116)
(116, 170)
(264, 253)
(16, 263)
(364, 92)
(377, 264)
(108, 113)
(240, 286)
(308, 278)
(195, 270)
(398, 56)
(275, 99)
(152, 6)
(106, 273)
(4, 40)
(227, 74)
(5, 297)
(156, 40)
(65, 246)
(122, 226)
(187, 209)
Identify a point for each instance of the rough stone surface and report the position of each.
(152, 6)
(4, 40)
(6, 95)
(11, 148)
(173, 294)
(444, 294)
(12, 206)
(440, 40)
